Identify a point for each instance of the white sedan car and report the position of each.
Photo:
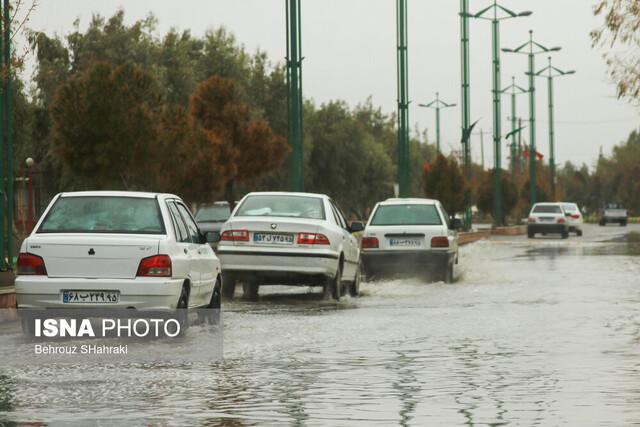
(410, 236)
(289, 239)
(574, 217)
(117, 249)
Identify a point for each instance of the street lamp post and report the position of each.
(295, 105)
(551, 72)
(437, 104)
(404, 177)
(534, 48)
(466, 103)
(514, 90)
(29, 162)
(497, 91)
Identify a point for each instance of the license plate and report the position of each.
(90, 297)
(273, 239)
(406, 243)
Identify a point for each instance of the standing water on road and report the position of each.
(533, 332)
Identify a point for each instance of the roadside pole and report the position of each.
(295, 103)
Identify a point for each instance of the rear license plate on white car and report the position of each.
(405, 243)
(90, 297)
(273, 239)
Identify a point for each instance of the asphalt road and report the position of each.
(533, 332)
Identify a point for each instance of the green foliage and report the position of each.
(445, 181)
(486, 193)
(102, 124)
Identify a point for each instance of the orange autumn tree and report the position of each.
(247, 147)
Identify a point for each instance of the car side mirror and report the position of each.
(212, 237)
(356, 226)
(456, 224)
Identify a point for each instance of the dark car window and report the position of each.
(191, 225)
(213, 213)
(550, 209)
(406, 215)
(104, 214)
(282, 206)
(182, 235)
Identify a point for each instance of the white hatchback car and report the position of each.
(574, 217)
(117, 249)
(410, 236)
(289, 239)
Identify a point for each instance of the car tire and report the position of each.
(602, 223)
(250, 291)
(333, 286)
(623, 224)
(579, 233)
(448, 273)
(228, 286)
(212, 312)
(354, 287)
(531, 234)
(182, 309)
(565, 234)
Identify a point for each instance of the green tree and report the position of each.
(103, 126)
(444, 181)
(486, 193)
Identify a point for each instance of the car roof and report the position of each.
(138, 194)
(549, 204)
(286, 193)
(412, 200)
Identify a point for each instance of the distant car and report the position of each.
(411, 236)
(210, 217)
(574, 217)
(289, 239)
(547, 218)
(117, 249)
(614, 214)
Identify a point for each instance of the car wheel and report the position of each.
(354, 288)
(579, 233)
(531, 234)
(602, 223)
(228, 286)
(623, 224)
(565, 234)
(182, 312)
(448, 272)
(250, 291)
(212, 312)
(333, 286)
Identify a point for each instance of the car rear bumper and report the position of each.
(547, 228)
(279, 266)
(405, 262)
(141, 293)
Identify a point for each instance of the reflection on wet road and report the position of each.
(538, 332)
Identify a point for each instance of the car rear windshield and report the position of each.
(104, 214)
(552, 209)
(282, 206)
(570, 208)
(215, 213)
(406, 215)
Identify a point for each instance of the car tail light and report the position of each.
(235, 236)
(440, 242)
(532, 220)
(155, 266)
(561, 221)
(312, 239)
(29, 264)
(369, 243)
(575, 216)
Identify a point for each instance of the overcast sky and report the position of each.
(349, 49)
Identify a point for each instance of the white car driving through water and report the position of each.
(574, 217)
(113, 249)
(410, 236)
(547, 218)
(289, 239)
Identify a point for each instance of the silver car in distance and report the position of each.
(290, 239)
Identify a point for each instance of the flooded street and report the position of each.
(533, 332)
